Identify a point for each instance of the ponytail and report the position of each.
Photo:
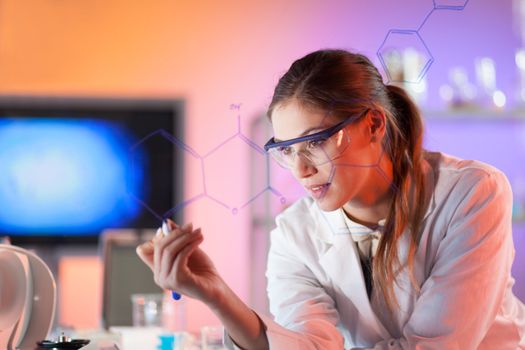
(403, 144)
(408, 119)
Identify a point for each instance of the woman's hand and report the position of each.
(179, 264)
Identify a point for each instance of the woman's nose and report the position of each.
(302, 167)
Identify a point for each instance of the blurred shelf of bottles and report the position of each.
(459, 96)
(465, 90)
(470, 90)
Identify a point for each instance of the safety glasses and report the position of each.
(318, 148)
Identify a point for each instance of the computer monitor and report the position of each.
(73, 167)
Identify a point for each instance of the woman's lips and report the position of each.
(317, 191)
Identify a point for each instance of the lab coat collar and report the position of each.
(341, 263)
(330, 224)
(341, 259)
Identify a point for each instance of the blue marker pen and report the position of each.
(166, 232)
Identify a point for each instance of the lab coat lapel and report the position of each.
(430, 186)
(341, 263)
(341, 259)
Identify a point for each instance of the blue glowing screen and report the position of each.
(69, 176)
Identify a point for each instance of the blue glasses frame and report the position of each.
(321, 135)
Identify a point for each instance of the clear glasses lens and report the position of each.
(316, 152)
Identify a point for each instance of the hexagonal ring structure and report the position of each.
(397, 39)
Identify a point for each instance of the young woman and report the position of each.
(395, 248)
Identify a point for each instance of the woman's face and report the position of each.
(355, 177)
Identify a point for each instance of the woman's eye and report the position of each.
(285, 150)
(315, 143)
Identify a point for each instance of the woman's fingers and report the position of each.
(173, 249)
(145, 253)
(181, 261)
(187, 227)
(167, 249)
(179, 264)
(159, 254)
(146, 249)
(172, 225)
(160, 242)
(173, 264)
(185, 253)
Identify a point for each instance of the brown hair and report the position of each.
(345, 83)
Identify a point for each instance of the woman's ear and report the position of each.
(376, 125)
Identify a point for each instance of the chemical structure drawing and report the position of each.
(180, 151)
(406, 47)
(213, 163)
(217, 182)
(391, 58)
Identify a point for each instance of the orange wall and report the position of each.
(79, 297)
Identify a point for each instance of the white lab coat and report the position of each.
(462, 265)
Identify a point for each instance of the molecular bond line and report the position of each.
(411, 38)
